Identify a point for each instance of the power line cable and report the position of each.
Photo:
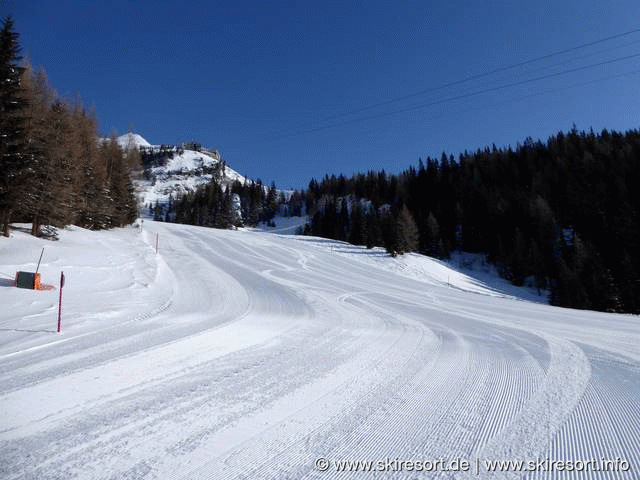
(461, 96)
(566, 62)
(477, 76)
(543, 92)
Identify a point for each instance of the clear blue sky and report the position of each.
(261, 81)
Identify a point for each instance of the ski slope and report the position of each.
(244, 354)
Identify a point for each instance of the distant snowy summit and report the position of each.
(170, 171)
(132, 140)
(128, 141)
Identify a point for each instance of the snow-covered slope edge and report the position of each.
(111, 274)
(457, 273)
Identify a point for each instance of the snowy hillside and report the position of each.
(183, 173)
(244, 354)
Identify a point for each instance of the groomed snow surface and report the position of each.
(246, 354)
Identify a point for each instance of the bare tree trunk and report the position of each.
(35, 226)
(4, 221)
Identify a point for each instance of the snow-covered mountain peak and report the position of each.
(132, 140)
(171, 171)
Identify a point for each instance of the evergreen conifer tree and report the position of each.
(14, 161)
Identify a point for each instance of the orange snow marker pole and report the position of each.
(60, 301)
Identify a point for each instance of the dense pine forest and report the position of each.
(54, 168)
(562, 215)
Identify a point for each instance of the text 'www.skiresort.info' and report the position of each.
(479, 465)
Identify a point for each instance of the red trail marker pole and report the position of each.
(60, 301)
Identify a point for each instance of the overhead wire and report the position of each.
(320, 127)
(567, 61)
(484, 74)
(545, 92)
(458, 97)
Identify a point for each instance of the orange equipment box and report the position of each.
(28, 280)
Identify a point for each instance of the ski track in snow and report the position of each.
(241, 354)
